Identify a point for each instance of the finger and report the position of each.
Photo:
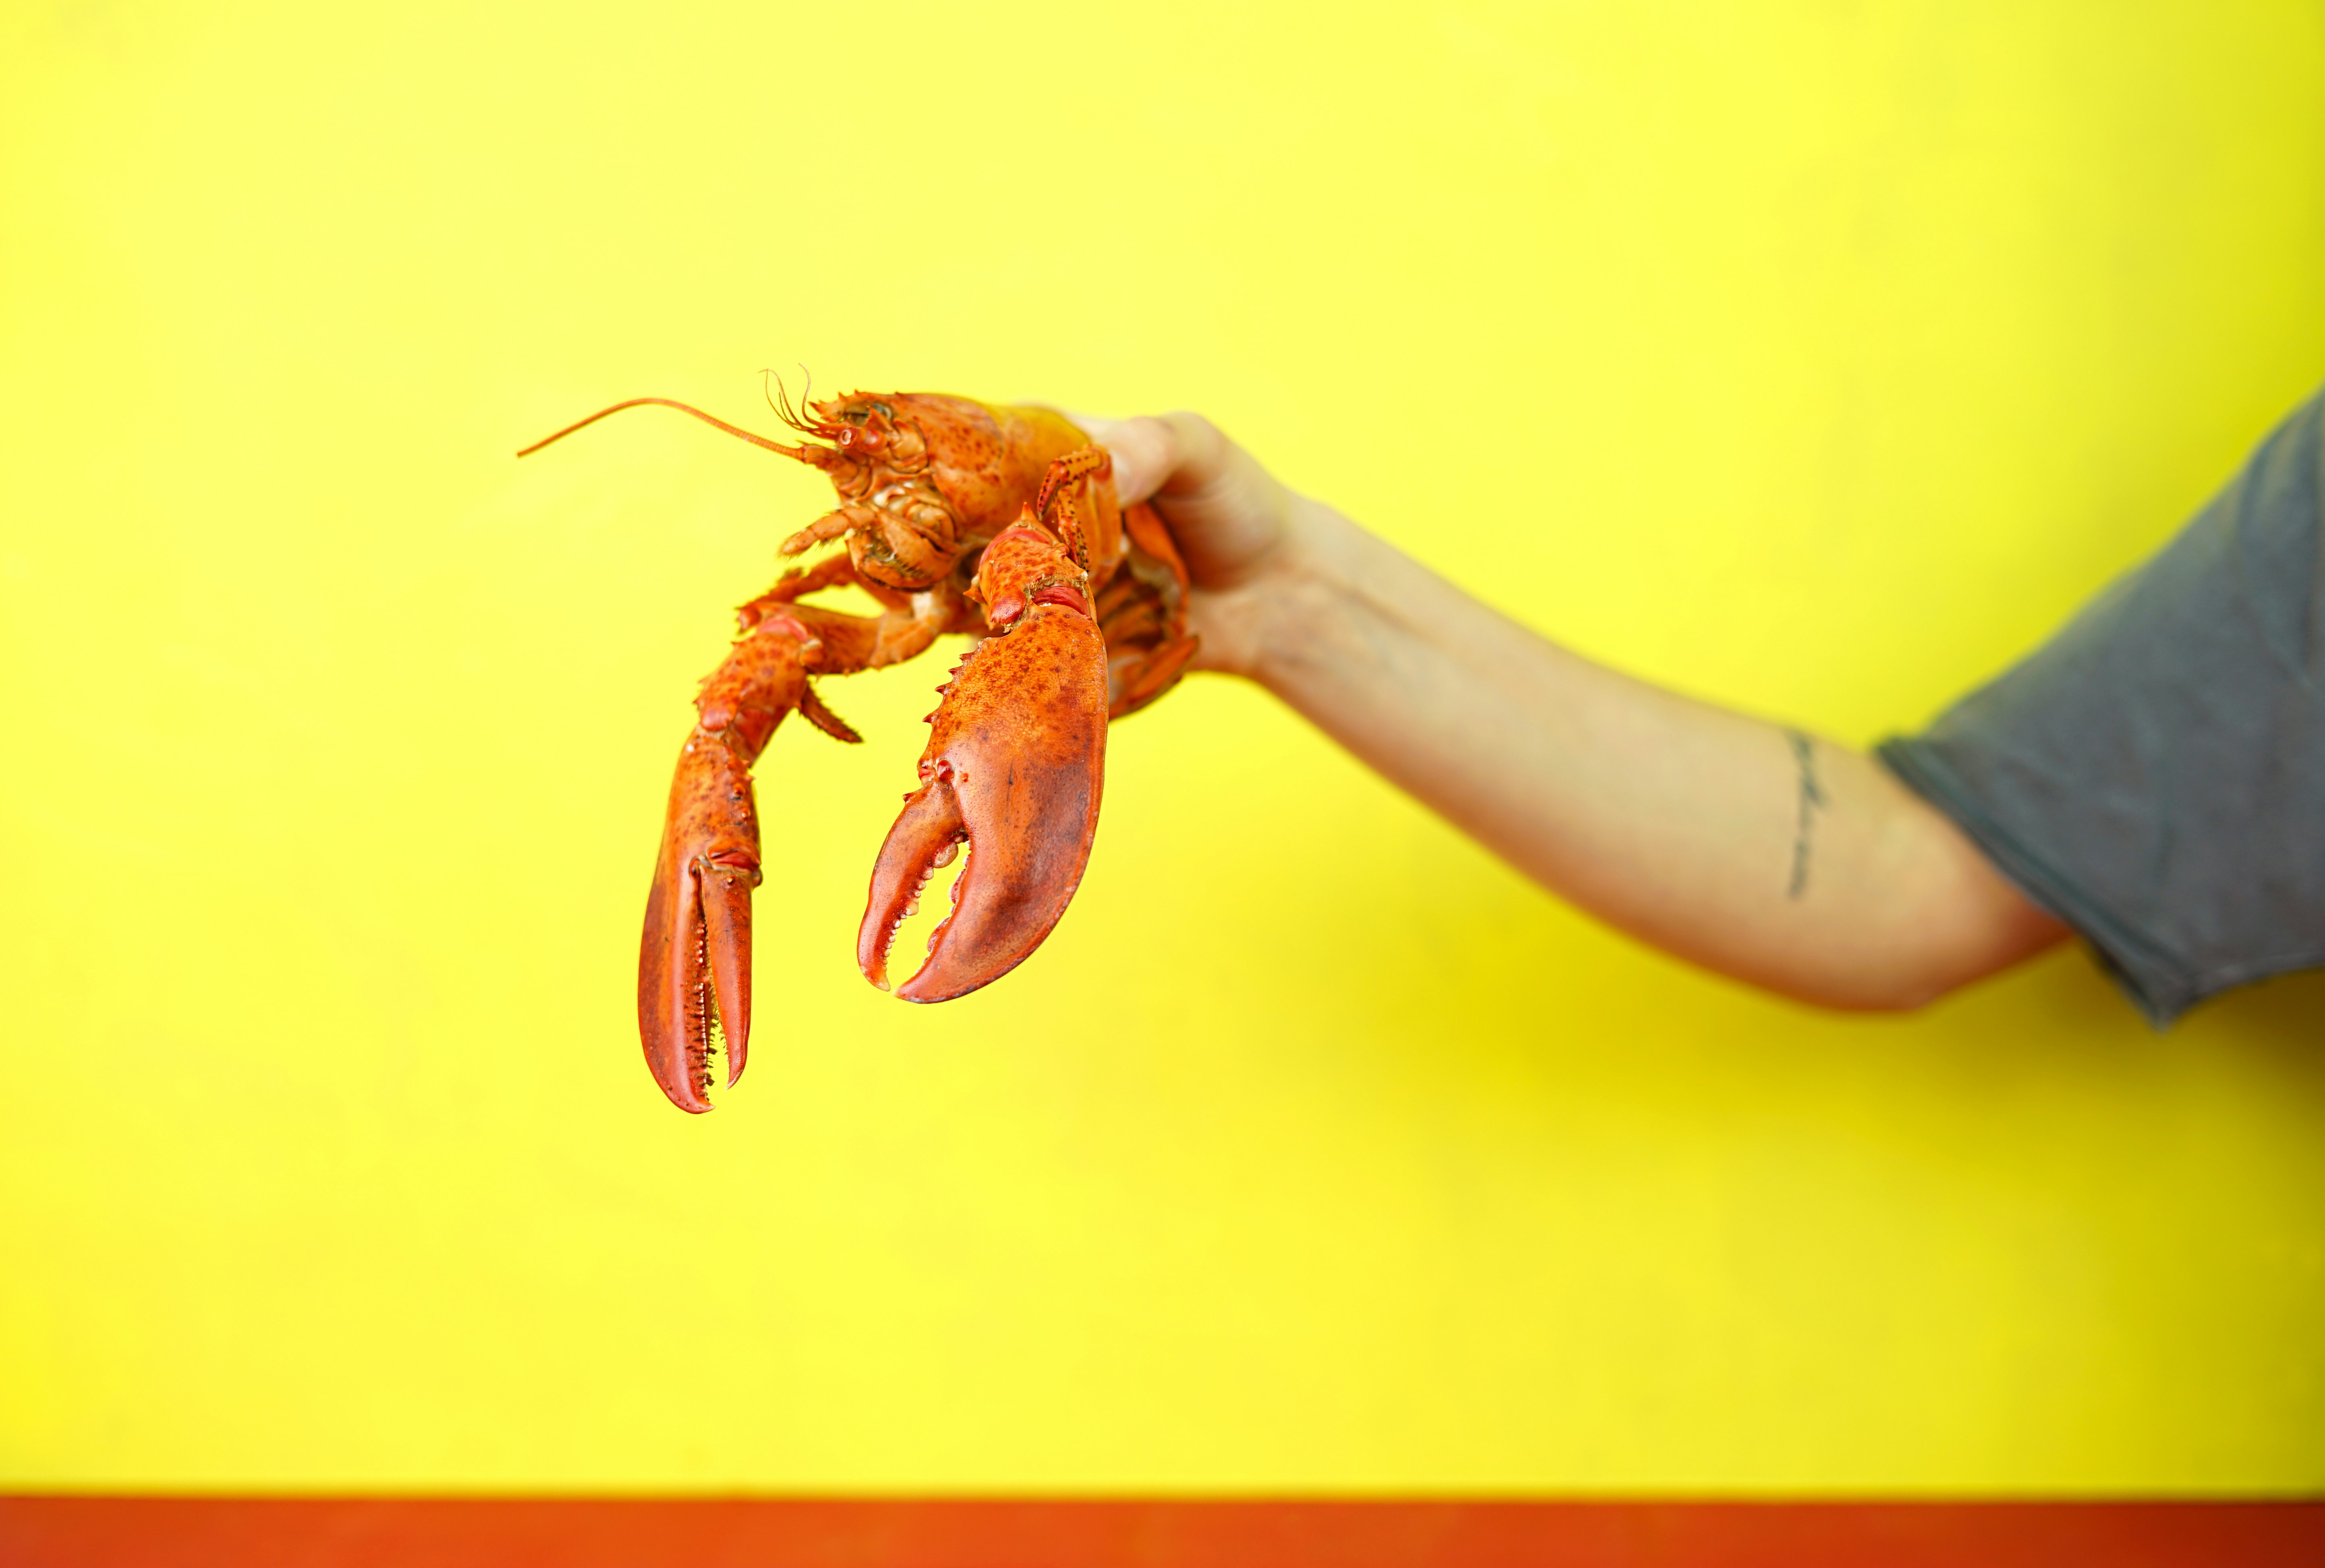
(1145, 452)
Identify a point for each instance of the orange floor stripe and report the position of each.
(38, 1532)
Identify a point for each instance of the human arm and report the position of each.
(1784, 860)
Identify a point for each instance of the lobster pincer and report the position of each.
(1013, 769)
(694, 970)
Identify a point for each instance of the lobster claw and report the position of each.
(1014, 768)
(694, 956)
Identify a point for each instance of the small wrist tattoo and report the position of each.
(1812, 800)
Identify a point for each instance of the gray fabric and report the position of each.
(2154, 774)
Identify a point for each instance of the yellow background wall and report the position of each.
(1815, 358)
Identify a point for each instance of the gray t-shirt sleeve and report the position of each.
(2154, 774)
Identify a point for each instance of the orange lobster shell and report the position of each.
(957, 517)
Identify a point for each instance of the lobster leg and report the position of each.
(1142, 612)
(1015, 766)
(694, 956)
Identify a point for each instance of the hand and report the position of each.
(1242, 532)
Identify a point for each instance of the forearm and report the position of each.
(1784, 861)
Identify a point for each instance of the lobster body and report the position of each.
(957, 517)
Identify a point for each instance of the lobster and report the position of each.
(957, 517)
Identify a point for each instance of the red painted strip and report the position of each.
(83, 1532)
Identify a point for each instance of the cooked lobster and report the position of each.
(957, 517)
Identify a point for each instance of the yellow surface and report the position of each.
(1816, 358)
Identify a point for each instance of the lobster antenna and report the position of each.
(780, 400)
(797, 419)
(736, 431)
